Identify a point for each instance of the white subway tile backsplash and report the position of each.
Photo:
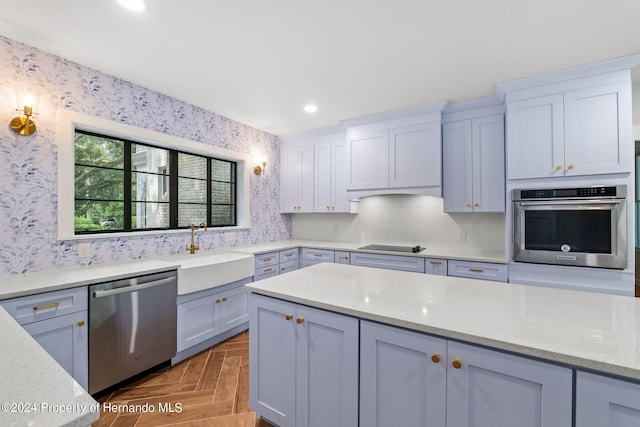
(405, 219)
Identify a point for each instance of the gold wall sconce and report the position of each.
(259, 169)
(24, 125)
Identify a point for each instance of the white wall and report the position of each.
(405, 219)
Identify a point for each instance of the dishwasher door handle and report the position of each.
(132, 288)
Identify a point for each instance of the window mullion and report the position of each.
(209, 177)
(127, 225)
(173, 189)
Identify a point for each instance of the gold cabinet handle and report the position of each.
(289, 254)
(317, 254)
(266, 260)
(570, 167)
(81, 323)
(217, 301)
(224, 299)
(288, 316)
(468, 205)
(436, 262)
(476, 204)
(435, 358)
(328, 207)
(268, 270)
(299, 320)
(476, 270)
(456, 363)
(42, 307)
(346, 258)
(558, 168)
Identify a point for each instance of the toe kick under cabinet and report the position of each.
(58, 322)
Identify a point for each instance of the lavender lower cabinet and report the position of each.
(491, 388)
(403, 377)
(604, 401)
(303, 364)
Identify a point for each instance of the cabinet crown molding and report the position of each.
(610, 67)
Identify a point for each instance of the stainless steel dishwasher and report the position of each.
(132, 327)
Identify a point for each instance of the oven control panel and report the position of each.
(616, 191)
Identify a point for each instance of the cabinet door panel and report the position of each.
(234, 309)
(535, 138)
(290, 180)
(415, 158)
(368, 161)
(339, 175)
(500, 390)
(198, 320)
(488, 164)
(593, 141)
(305, 195)
(457, 167)
(400, 384)
(272, 359)
(603, 401)
(327, 369)
(322, 176)
(65, 338)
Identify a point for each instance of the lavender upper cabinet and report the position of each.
(398, 152)
(604, 401)
(473, 165)
(576, 132)
(415, 156)
(330, 174)
(297, 180)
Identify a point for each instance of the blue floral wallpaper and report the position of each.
(28, 165)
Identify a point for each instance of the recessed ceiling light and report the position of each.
(135, 5)
(310, 108)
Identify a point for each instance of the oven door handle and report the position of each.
(133, 288)
(572, 203)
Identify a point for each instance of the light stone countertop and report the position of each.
(36, 390)
(585, 330)
(431, 251)
(52, 280)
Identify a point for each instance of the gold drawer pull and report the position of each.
(288, 316)
(42, 307)
(289, 254)
(558, 168)
(268, 270)
(317, 254)
(224, 299)
(456, 363)
(217, 301)
(266, 260)
(436, 262)
(476, 270)
(81, 323)
(468, 205)
(299, 320)
(570, 167)
(435, 358)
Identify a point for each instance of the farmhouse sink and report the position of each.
(208, 270)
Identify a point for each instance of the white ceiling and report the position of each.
(260, 61)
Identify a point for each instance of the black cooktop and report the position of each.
(389, 248)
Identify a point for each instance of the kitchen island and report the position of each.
(553, 334)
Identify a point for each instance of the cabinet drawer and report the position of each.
(435, 266)
(478, 270)
(288, 266)
(263, 260)
(47, 305)
(317, 255)
(390, 262)
(264, 272)
(289, 255)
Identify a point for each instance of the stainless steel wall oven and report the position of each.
(571, 226)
